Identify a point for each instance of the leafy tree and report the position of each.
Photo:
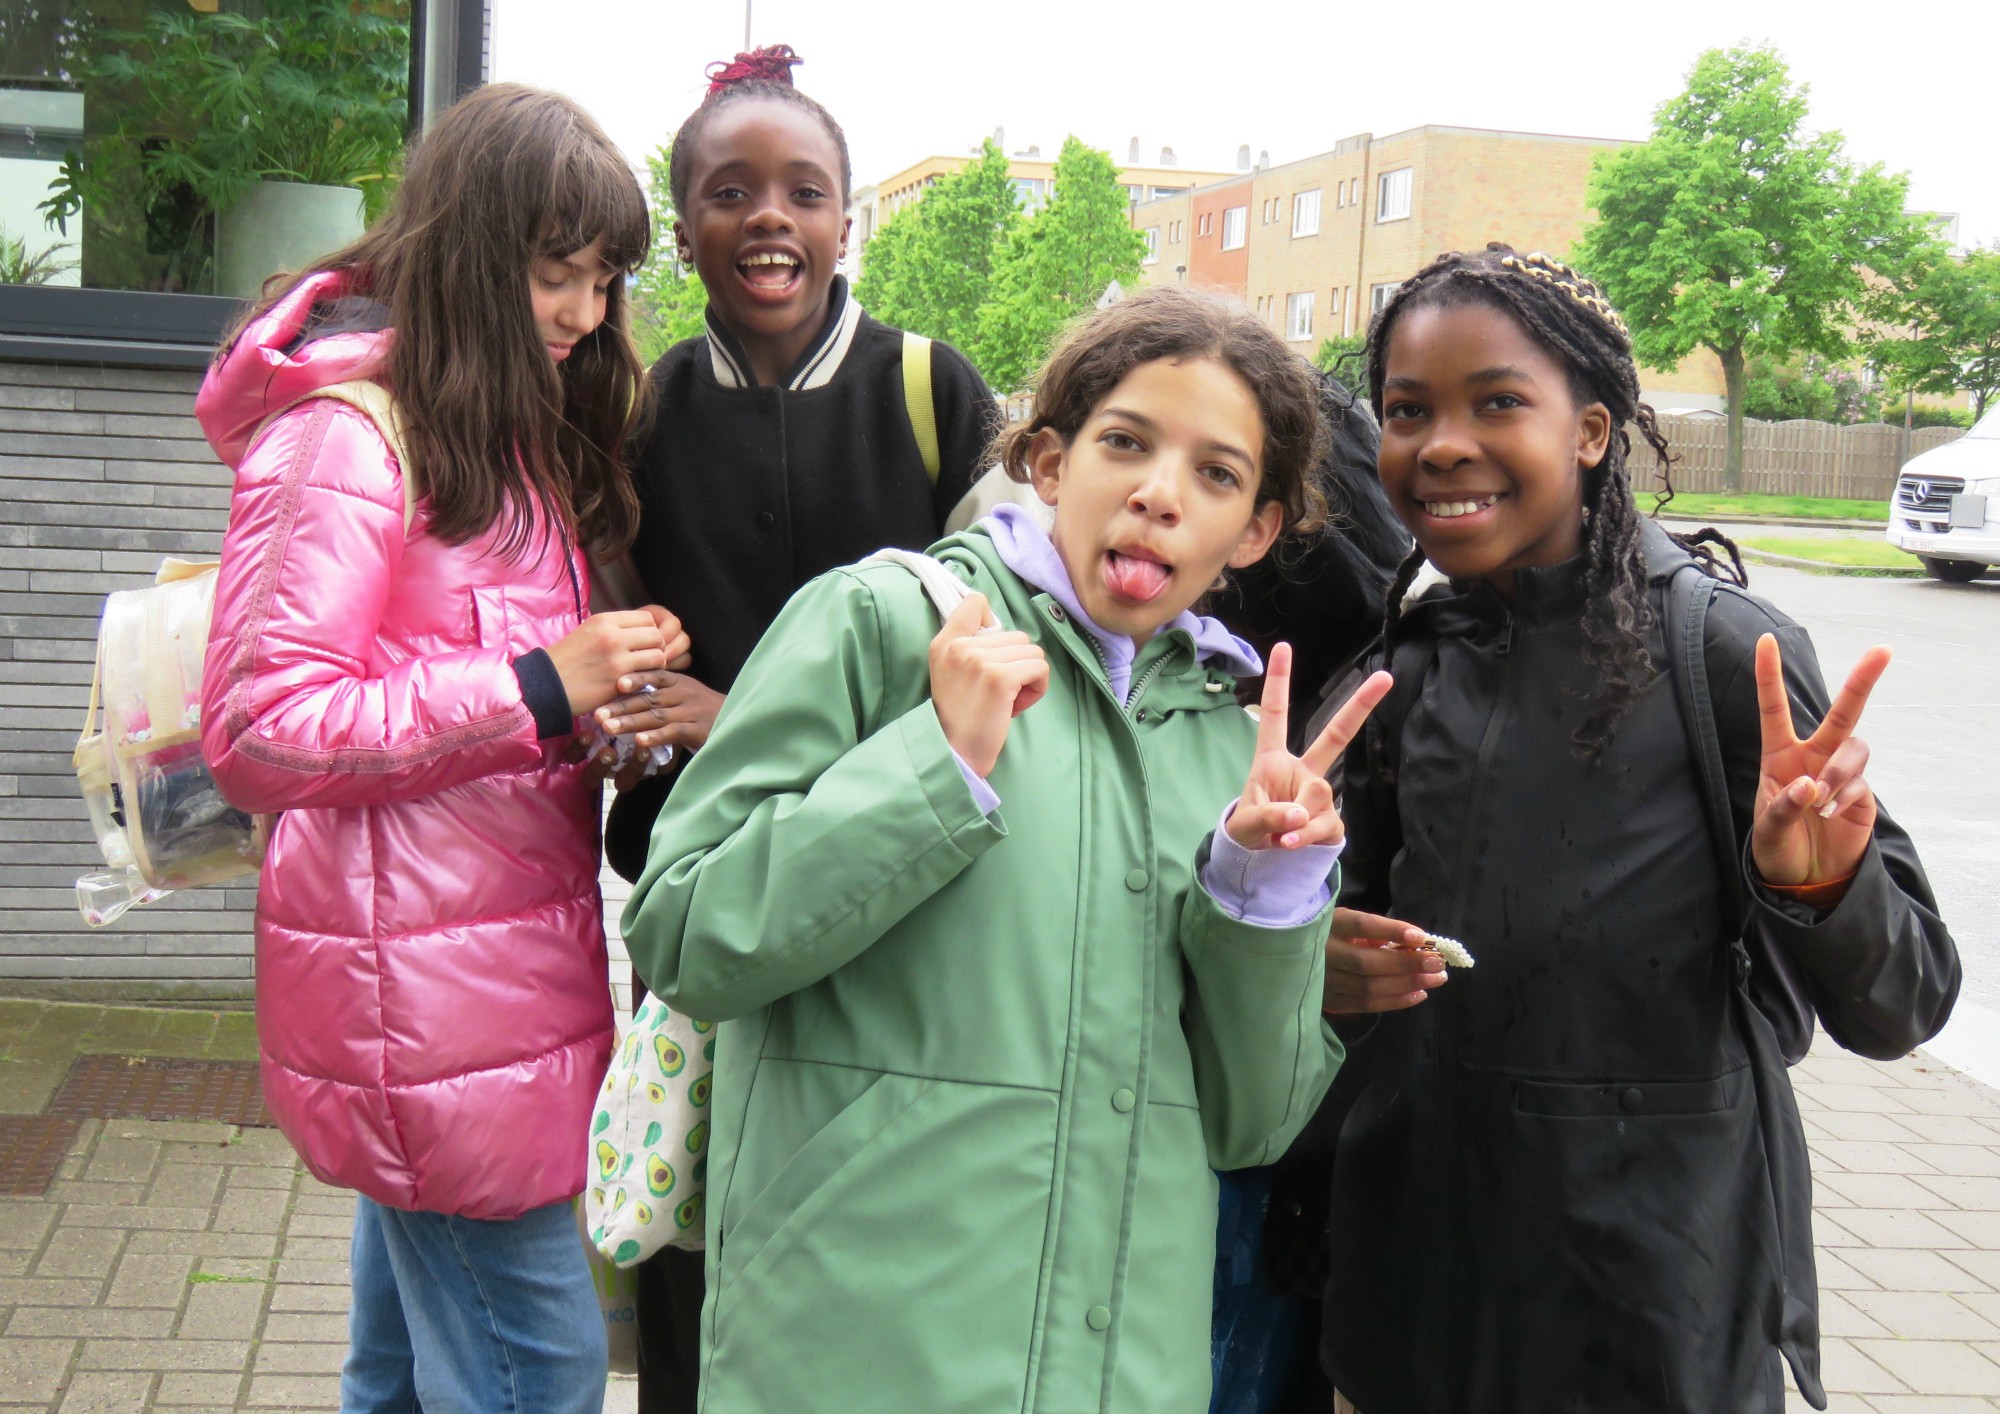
(936, 270)
(1345, 356)
(1734, 228)
(669, 301)
(1056, 265)
(1952, 308)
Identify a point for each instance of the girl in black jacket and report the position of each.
(1574, 1177)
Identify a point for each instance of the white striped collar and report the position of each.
(818, 365)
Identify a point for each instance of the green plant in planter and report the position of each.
(18, 267)
(206, 105)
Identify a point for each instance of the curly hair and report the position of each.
(1097, 350)
(756, 73)
(1569, 317)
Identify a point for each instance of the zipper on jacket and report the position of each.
(1144, 680)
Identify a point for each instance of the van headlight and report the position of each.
(1987, 486)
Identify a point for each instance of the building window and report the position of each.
(1152, 235)
(1029, 191)
(1204, 224)
(1305, 213)
(1392, 197)
(117, 172)
(1235, 227)
(1381, 295)
(1299, 316)
(1156, 192)
(1333, 302)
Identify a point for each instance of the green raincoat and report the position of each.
(975, 1070)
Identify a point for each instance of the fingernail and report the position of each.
(1826, 811)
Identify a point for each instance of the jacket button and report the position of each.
(1056, 613)
(1143, 714)
(1097, 1317)
(1633, 1098)
(1135, 880)
(765, 520)
(1123, 1099)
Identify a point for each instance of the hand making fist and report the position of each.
(982, 677)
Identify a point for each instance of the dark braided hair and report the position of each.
(1568, 316)
(757, 73)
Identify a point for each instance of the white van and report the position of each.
(1946, 506)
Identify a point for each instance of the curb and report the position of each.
(1793, 562)
(1800, 522)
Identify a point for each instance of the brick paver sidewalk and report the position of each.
(191, 1265)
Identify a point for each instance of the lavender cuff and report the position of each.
(1268, 888)
(983, 795)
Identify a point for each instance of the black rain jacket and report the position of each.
(1561, 1184)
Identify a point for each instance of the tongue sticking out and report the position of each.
(1141, 581)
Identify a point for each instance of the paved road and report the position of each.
(1934, 726)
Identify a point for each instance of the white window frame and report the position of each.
(1392, 194)
(1381, 294)
(1152, 235)
(1241, 223)
(1299, 315)
(1305, 213)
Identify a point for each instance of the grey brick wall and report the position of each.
(103, 472)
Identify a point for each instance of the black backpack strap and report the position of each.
(1690, 592)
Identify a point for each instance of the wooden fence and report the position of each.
(1786, 458)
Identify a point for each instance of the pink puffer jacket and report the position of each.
(432, 991)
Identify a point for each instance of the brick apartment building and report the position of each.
(1316, 246)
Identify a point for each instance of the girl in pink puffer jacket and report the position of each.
(432, 993)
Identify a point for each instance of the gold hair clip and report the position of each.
(1553, 272)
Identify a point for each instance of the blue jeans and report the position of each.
(459, 1316)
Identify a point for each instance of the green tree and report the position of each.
(1735, 229)
(1056, 265)
(669, 301)
(1952, 309)
(1345, 356)
(937, 270)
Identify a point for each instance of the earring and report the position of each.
(1586, 515)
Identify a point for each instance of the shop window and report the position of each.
(151, 145)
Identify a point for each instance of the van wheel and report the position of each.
(1952, 571)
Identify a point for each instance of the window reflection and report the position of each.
(194, 145)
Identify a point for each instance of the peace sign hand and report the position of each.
(1815, 813)
(1287, 802)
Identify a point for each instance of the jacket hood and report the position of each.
(274, 362)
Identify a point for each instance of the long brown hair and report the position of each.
(507, 176)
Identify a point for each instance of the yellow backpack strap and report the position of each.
(380, 406)
(917, 398)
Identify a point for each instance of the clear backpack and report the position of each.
(161, 822)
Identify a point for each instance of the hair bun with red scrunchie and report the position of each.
(770, 64)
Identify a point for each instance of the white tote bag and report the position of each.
(649, 1137)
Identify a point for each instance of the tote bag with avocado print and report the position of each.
(649, 1137)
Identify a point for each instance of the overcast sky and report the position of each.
(1910, 85)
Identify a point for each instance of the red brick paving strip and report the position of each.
(32, 1148)
(126, 1087)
